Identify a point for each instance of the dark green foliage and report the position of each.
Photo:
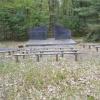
(13, 24)
(93, 33)
(88, 11)
(94, 25)
(17, 17)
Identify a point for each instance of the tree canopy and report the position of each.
(18, 16)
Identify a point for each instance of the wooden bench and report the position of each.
(39, 55)
(97, 48)
(3, 53)
(89, 45)
(76, 54)
(50, 50)
(16, 56)
(10, 51)
(57, 51)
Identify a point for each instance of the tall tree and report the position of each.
(53, 5)
(88, 12)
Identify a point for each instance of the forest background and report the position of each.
(82, 17)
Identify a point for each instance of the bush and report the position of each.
(94, 33)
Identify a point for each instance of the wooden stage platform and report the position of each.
(50, 42)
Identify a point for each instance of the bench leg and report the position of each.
(97, 49)
(9, 52)
(57, 57)
(23, 55)
(89, 46)
(76, 57)
(41, 54)
(62, 54)
(13, 52)
(37, 58)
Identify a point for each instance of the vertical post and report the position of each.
(76, 56)
(37, 58)
(89, 46)
(97, 49)
(13, 52)
(52, 17)
(41, 54)
(56, 57)
(9, 52)
(60, 48)
(23, 55)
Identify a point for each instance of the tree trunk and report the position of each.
(52, 17)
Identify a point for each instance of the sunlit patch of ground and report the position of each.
(51, 80)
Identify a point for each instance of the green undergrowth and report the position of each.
(51, 80)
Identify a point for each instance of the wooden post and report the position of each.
(13, 52)
(57, 57)
(89, 46)
(37, 58)
(76, 57)
(41, 54)
(9, 52)
(23, 55)
(97, 49)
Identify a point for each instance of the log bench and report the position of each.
(89, 45)
(39, 55)
(97, 48)
(57, 51)
(3, 53)
(16, 56)
(9, 51)
(50, 50)
(76, 54)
